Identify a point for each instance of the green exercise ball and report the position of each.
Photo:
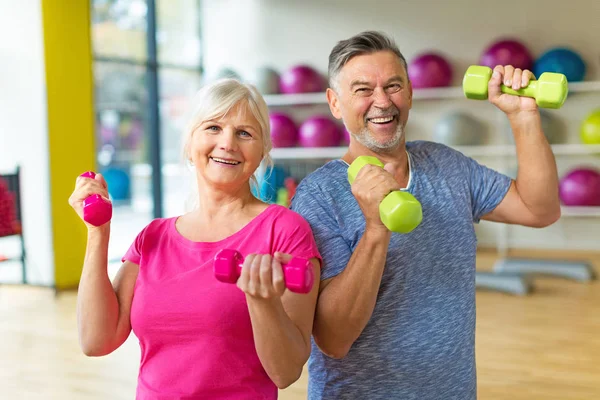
(590, 128)
(459, 129)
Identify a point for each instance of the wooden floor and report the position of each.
(544, 346)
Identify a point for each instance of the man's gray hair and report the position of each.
(363, 43)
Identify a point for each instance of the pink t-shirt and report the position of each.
(195, 332)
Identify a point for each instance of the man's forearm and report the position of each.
(347, 302)
(537, 178)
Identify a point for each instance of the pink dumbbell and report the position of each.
(298, 273)
(96, 210)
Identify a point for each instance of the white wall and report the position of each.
(245, 34)
(23, 134)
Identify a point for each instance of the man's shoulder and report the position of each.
(428, 148)
(330, 172)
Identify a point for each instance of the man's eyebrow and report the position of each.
(358, 83)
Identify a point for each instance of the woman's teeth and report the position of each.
(220, 160)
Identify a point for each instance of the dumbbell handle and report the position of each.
(96, 210)
(298, 273)
(529, 91)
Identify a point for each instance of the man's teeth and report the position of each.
(382, 120)
(225, 161)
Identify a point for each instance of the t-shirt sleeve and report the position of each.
(488, 187)
(134, 253)
(295, 237)
(309, 202)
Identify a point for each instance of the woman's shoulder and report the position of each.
(285, 217)
(158, 226)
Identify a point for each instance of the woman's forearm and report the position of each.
(97, 305)
(280, 344)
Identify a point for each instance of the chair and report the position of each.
(11, 215)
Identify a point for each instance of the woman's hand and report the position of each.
(262, 275)
(85, 187)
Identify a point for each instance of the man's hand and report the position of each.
(515, 78)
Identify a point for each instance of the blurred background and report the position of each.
(106, 85)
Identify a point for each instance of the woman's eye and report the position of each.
(245, 134)
(213, 128)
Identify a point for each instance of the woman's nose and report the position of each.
(227, 140)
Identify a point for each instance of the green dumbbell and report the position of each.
(399, 211)
(549, 91)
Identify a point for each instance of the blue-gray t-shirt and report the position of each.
(420, 340)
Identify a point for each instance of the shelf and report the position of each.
(580, 211)
(307, 153)
(455, 92)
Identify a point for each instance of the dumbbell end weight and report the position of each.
(227, 265)
(299, 276)
(404, 204)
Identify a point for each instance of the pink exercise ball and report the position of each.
(430, 70)
(301, 79)
(319, 131)
(284, 132)
(580, 187)
(507, 52)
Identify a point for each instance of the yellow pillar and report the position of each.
(71, 145)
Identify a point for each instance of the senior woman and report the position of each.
(200, 337)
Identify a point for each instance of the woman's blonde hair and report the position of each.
(216, 99)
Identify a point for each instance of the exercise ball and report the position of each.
(284, 132)
(562, 60)
(265, 79)
(580, 187)
(319, 131)
(118, 183)
(270, 183)
(459, 129)
(590, 128)
(301, 79)
(507, 52)
(429, 70)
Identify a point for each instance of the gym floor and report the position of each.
(544, 346)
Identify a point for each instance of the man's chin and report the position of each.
(381, 144)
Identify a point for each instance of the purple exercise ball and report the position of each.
(319, 131)
(284, 132)
(301, 79)
(507, 52)
(580, 187)
(430, 70)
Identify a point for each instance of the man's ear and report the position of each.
(333, 100)
(410, 94)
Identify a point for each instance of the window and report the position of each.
(147, 67)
